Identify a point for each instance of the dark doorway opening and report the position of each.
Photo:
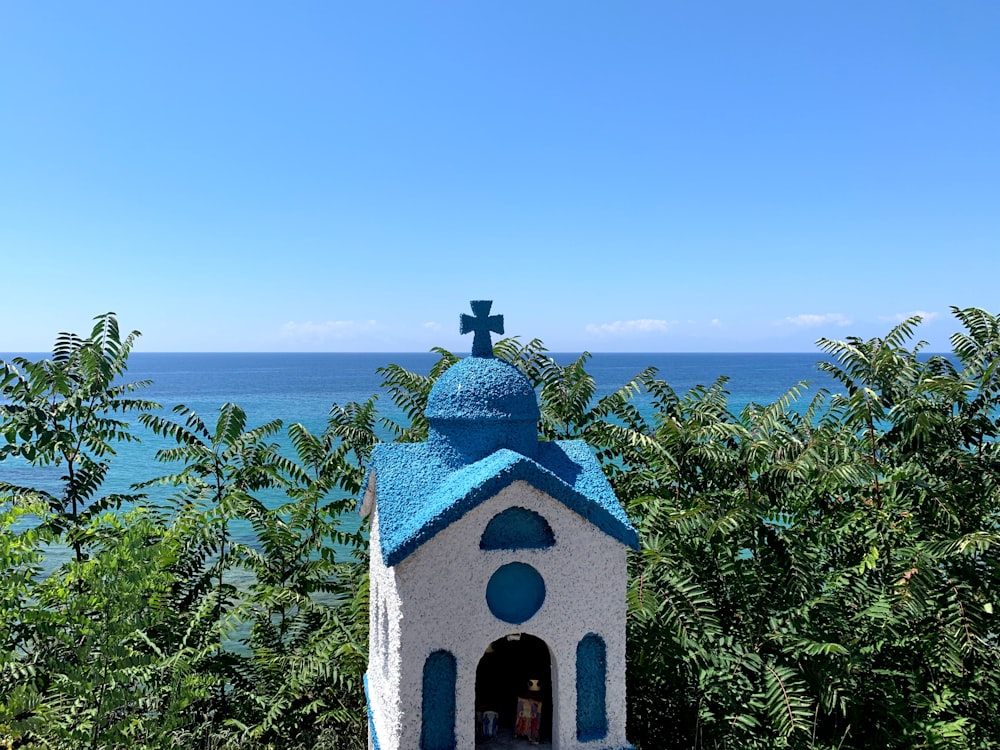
(508, 671)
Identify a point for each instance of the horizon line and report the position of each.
(460, 354)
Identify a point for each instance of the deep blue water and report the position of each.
(302, 387)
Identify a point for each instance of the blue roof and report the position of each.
(482, 416)
(421, 490)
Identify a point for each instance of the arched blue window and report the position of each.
(437, 725)
(591, 693)
(517, 528)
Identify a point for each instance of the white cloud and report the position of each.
(900, 317)
(430, 325)
(811, 320)
(330, 329)
(629, 327)
(716, 322)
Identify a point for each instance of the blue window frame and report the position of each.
(591, 690)
(437, 725)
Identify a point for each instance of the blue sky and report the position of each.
(617, 176)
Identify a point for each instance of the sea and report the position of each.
(302, 387)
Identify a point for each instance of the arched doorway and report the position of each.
(505, 674)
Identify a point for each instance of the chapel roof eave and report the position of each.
(418, 496)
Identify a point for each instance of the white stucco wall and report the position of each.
(384, 667)
(435, 599)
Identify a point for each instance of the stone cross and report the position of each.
(481, 325)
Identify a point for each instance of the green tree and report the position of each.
(308, 604)
(90, 674)
(222, 466)
(826, 576)
(68, 411)
(66, 656)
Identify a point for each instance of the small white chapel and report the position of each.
(498, 575)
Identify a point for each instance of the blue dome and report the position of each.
(482, 388)
(482, 404)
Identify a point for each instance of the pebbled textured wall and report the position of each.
(435, 599)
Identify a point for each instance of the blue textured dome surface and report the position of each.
(482, 388)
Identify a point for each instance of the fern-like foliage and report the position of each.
(409, 391)
(845, 549)
(68, 411)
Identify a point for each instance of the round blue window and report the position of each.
(515, 592)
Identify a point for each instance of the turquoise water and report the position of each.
(302, 387)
